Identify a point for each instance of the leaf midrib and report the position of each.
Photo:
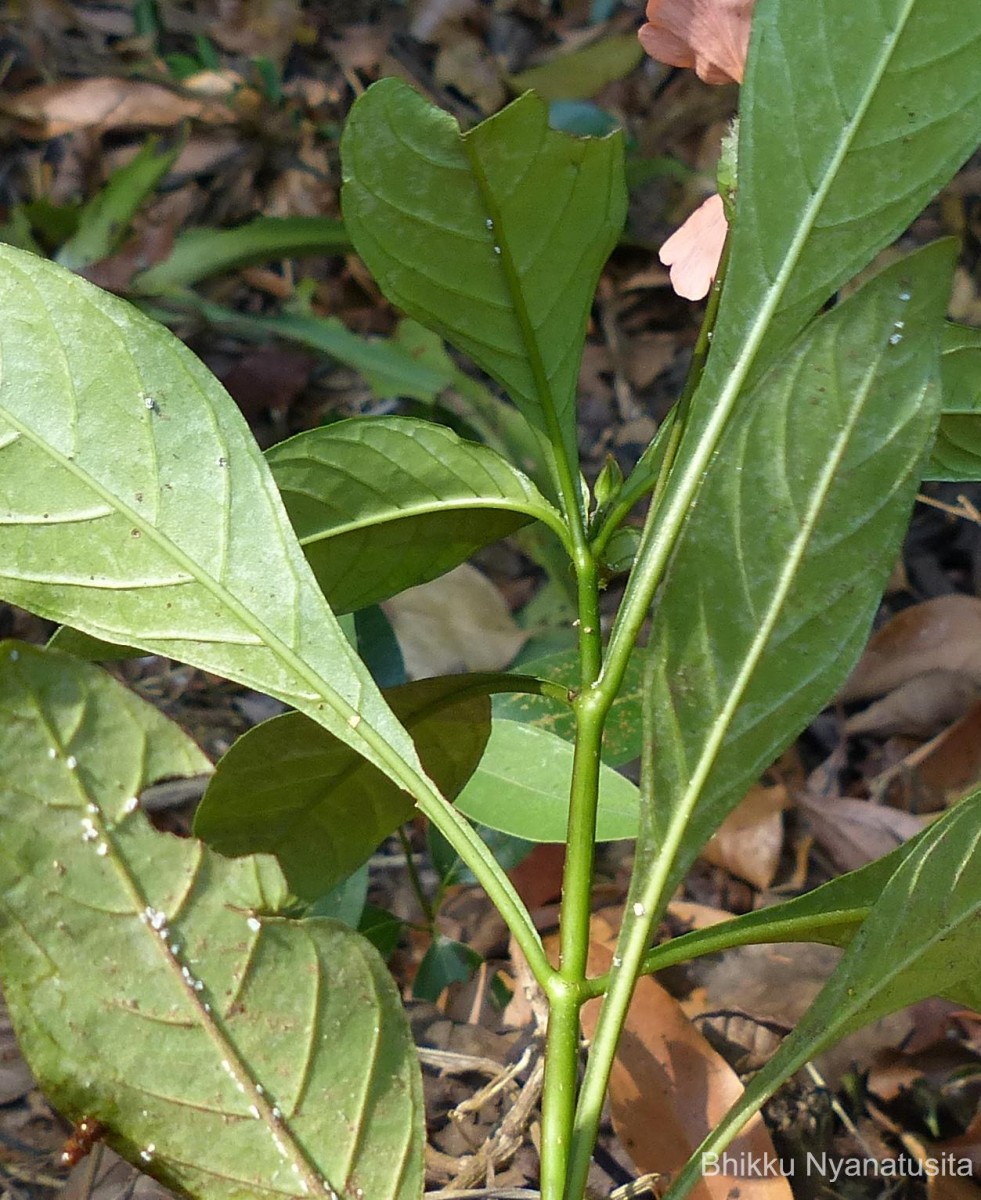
(900, 963)
(545, 395)
(393, 517)
(226, 598)
(226, 1049)
(773, 611)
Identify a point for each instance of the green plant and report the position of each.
(138, 510)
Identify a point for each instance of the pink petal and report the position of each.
(693, 251)
(710, 35)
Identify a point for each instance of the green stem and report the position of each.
(647, 895)
(560, 1086)
(471, 848)
(661, 531)
(429, 916)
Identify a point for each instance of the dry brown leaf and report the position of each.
(538, 878)
(105, 1176)
(941, 1186)
(749, 840)
(648, 354)
(854, 832)
(954, 762)
(776, 983)
(361, 47)
(429, 15)
(669, 1088)
(458, 622)
(697, 916)
(967, 1145)
(104, 103)
(920, 707)
(943, 634)
(463, 63)
(266, 27)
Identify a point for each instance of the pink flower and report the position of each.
(713, 37)
(693, 251)
(710, 35)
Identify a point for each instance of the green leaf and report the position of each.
(228, 1050)
(494, 238)
(522, 786)
(781, 562)
(137, 508)
(379, 647)
(508, 852)
(830, 914)
(920, 939)
(957, 452)
(345, 902)
(445, 962)
(291, 788)
(104, 221)
(383, 504)
(622, 732)
(851, 117)
(92, 649)
(582, 73)
(200, 252)
(386, 367)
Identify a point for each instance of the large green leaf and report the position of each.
(622, 732)
(136, 507)
(290, 788)
(851, 117)
(495, 238)
(957, 452)
(522, 787)
(383, 504)
(230, 1052)
(920, 939)
(781, 562)
(830, 914)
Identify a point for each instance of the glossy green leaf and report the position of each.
(383, 504)
(494, 420)
(851, 117)
(229, 1051)
(522, 788)
(780, 565)
(920, 939)
(199, 252)
(494, 238)
(622, 733)
(104, 221)
(136, 507)
(292, 789)
(957, 452)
